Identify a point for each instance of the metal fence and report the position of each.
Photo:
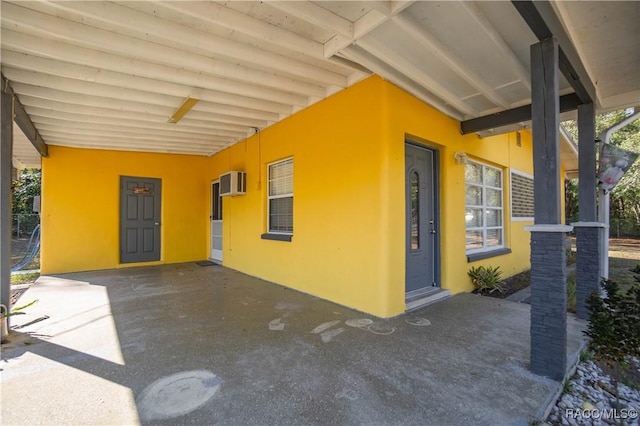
(620, 228)
(24, 224)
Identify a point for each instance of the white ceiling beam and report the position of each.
(134, 95)
(402, 65)
(440, 50)
(59, 111)
(156, 40)
(50, 110)
(34, 96)
(123, 109)
(505, 51)
(388, 73)
(128, 145)
(124, 139)
(622, 100)
(209, 25)
(132, 126)
(125, 134)
(316, 15)
(141, 146)
(255, 84)
(367, 23)
(200, 87)
(225, 17)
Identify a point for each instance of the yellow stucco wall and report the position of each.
(80, 206)
(338, 248)
(349, 215)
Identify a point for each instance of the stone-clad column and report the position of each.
(548, 300)
(588, 272)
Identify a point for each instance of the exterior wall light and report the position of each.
(461, 157)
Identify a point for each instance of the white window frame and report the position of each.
(523, 174)
(273, 197)
(484, 228)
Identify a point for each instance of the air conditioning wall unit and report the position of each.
(233, 183)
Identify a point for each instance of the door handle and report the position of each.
(157, 224)
(433, 231)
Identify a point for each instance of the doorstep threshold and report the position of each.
(415, 300)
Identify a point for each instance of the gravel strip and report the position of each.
(590, 400)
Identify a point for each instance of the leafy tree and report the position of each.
(625, 197)
(25, 188)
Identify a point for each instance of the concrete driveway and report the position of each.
(185, 344)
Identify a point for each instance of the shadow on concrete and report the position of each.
(180, 344)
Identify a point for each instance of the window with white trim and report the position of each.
(484, 208)
(280, 197)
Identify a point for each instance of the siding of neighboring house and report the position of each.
(348, 243)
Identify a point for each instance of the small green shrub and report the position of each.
(586, 356)
(486, 279)
(567, 387)
(614, 325)
(614, 332)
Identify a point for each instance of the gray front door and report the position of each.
(139, 219)
(420, 219)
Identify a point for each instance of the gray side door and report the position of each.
(420, 191)
(140, 202)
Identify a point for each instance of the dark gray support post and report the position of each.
(588, 233)
(545, 125)
(6, 152)
(548, 264)
(587, 163)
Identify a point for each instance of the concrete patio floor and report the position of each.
(185, 344)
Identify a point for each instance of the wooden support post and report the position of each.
(545, 116)
(587, 163)
(6, 152)
(548, 267)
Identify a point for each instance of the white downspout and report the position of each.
(604, 199)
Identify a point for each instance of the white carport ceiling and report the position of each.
(24, 154)
(110, 74)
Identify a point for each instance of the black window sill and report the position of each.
(487, 254)
(277, 237)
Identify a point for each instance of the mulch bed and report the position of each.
(511, 285)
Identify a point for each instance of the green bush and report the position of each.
(614, 332)
(486, 279)
(614, 325)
